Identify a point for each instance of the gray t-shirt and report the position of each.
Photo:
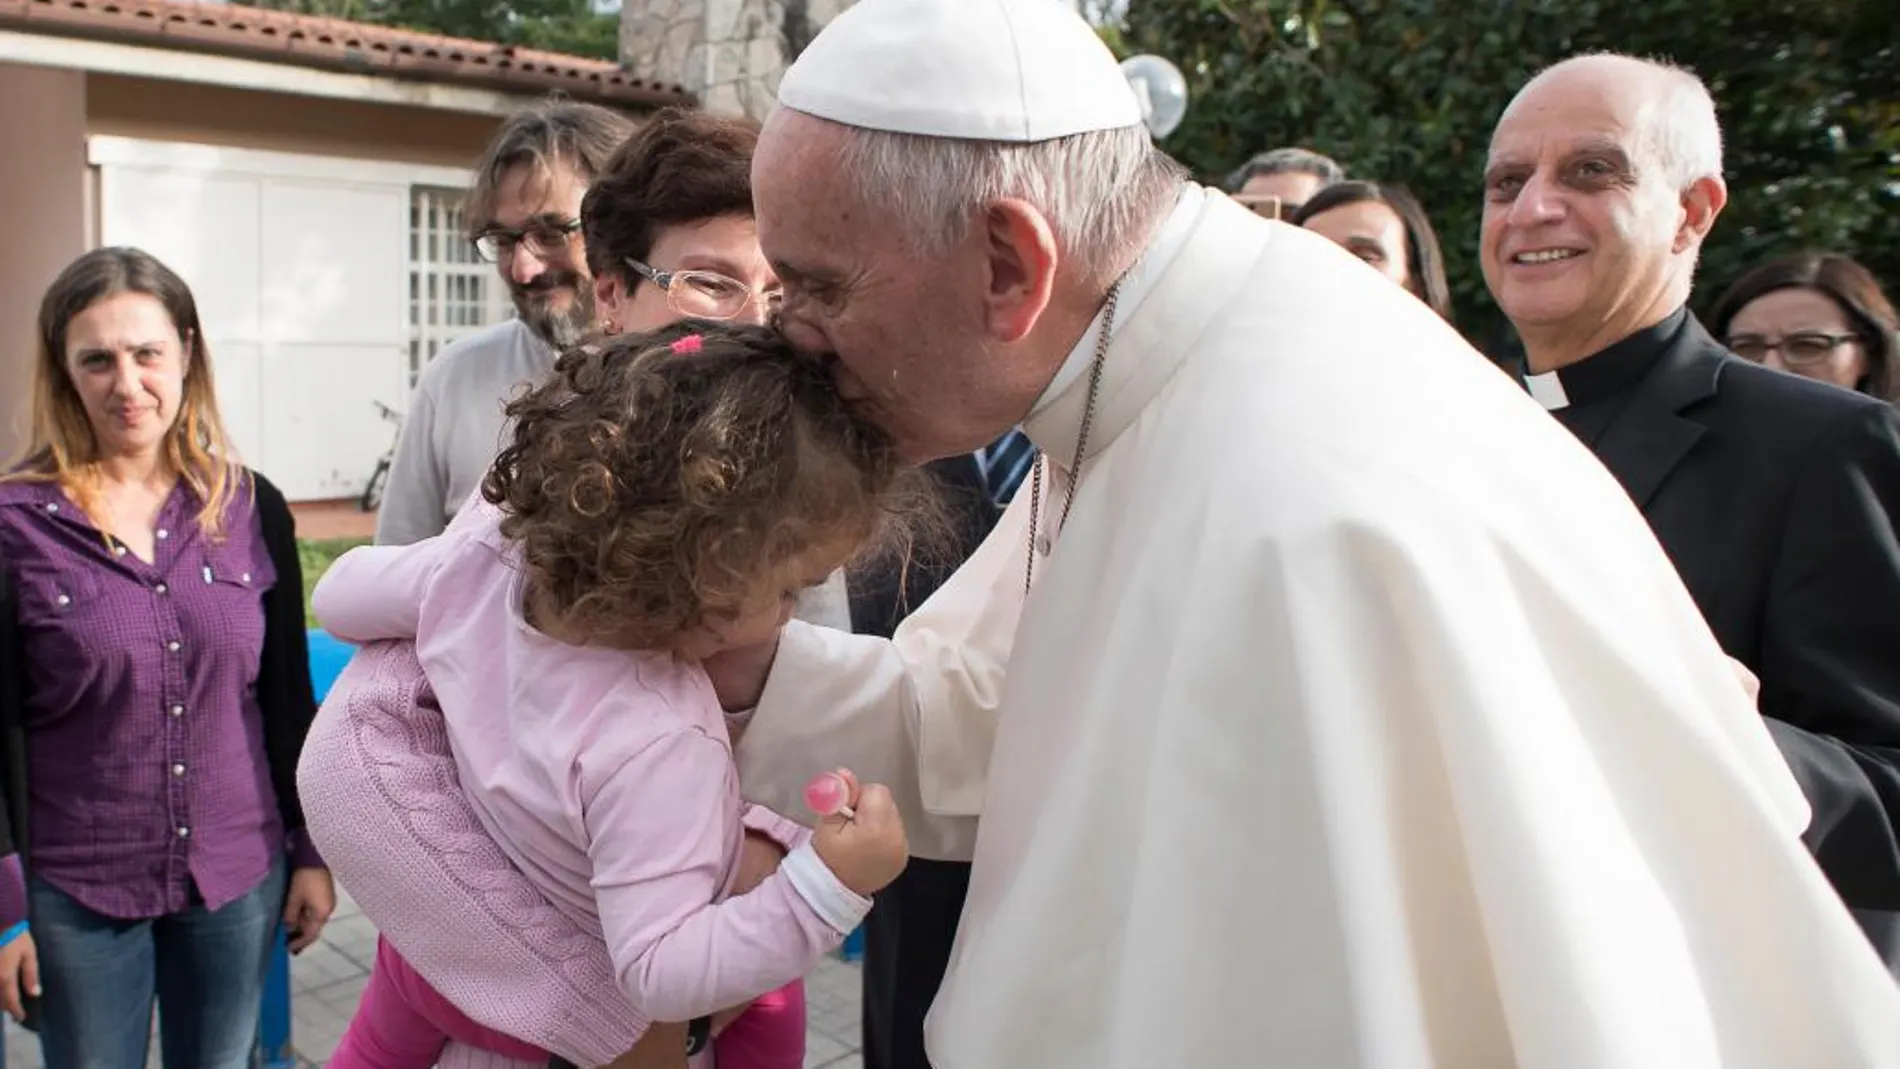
(453, 432)
(454, 428)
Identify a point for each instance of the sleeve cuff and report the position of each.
(837, 905)
(303, 853)
(13, 903)
(788, 834)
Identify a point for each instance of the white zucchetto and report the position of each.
(981, 70)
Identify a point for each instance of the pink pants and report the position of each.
(402, 1023)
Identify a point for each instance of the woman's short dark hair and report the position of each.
(681, 167)
(1424, 262)
(1848, 285)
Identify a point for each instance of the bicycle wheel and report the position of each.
(372, 498)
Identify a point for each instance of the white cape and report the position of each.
(1357, 720)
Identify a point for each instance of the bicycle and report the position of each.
(372, 497)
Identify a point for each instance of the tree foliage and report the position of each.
(1408, 90)
(571, 26)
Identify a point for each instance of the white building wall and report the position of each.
(302, 269)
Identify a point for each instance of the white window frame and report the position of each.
(109, 149)
(453, 292)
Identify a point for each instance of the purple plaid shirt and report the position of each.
(147, 771)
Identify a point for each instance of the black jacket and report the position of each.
(1777, 498)
(884, 592)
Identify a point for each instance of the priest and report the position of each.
(1776, 497)
(1319, 701)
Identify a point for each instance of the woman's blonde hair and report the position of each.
(64, 448)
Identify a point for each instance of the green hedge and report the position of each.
(316, 555)
(1408, 90)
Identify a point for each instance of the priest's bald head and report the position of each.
(1605, 175)
(947, 190)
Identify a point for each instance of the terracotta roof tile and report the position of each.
(334, 44)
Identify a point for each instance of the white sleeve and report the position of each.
(916, 712)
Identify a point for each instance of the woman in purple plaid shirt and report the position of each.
(154, 693)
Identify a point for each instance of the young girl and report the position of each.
(664, 497)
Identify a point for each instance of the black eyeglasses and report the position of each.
(1801, 349)
(544, 240)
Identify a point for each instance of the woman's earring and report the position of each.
(611, 327)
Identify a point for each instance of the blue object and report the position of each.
(853, 948)
(327, 658)
(11, 934)
(328, 655)
(273, 1024)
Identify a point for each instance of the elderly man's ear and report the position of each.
(1701, 203)
(1021, 252)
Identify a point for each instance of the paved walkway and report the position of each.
(333, 519)
(328, 978)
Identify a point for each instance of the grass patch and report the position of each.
(316, 556)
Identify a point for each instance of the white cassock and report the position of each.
(1356, 720)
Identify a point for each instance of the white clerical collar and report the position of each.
(1136, 285)
(1548, 389)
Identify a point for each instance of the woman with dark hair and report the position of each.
(1383, 225)
(669, 230)
(154, 692)
(1819, 315)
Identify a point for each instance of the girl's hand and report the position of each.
(867, 848)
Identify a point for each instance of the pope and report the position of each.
(1323, 703)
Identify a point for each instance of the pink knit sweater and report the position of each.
(366, 813)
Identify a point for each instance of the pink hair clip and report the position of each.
(691, 343)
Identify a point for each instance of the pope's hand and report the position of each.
(1750, 683)
(738, 674)
(663, 1046)
(863, 844)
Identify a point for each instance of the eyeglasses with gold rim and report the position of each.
(707, 294)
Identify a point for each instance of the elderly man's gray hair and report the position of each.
(1099, 191)
(1286, 161)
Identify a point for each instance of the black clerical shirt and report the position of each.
(1594, 391)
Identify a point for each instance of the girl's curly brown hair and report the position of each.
(651, 491)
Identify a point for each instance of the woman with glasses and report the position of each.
(1821, 316)
(669, 229)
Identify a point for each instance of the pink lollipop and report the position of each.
(826, 796)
